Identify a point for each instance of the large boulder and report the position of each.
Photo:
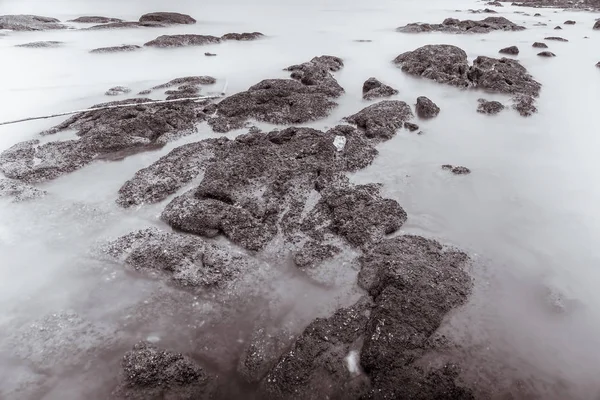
(453, 25)
(168, 18)
(29, 23)
(166, 41)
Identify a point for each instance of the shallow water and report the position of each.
(528, 213)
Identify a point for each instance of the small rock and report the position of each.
(166, 41)
(557, 27)
(363, 41)
(207, 54)
(116, 49)
(489, 107)
(144, 92)
(597, 25)
(546, 54)
(570, 22)
(168, 18)
(540, 24)
(458, 170)
(540, 45)
(512, 50)
(242, 36)
(383, 119)
(494, 3)
(95, 20)
(524, 105)
(117, 90)
(556, 38)
(411, 127)
(373, 88)
(537, 15)
(426, 108)
(40, 45)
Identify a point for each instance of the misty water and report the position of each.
(527, 214)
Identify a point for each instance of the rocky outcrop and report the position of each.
(19, 191)
(116, 49)
(373, 89)
(489, 107)
(453, 25)
(426, 108)
(168, 18)
(117, 90)
(246, 36)
(41, 45)
(166, 41)
(540, 45)
(502, 76)
(512, 50)
(383, 119)
(546, 54)
(29, 23)
(308, 96)
(458, 170)
(95, 20)
(589, 5)
(556, 39)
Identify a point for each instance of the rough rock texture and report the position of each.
(103, 134)
(373, 89)
(116, 49)
(570, 22)
(411, 127)
(546, 54)
(597, 25)
(458, 170)
(150, 373)
(166, 41)
(19, 191)
(524, 105)
(512, 50)
(556, 39)
(168, 18)
(187, 80)
(117, 90)
(540, 45)
(40, 45)
(306, 97)
(489, 107)
(188, 86)
(125, 25)
(453, 25)
(383, 119)
(95, 20)
(426, 108)
(246, 36)
(29, 23)
(502, 76)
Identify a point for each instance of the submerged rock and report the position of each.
(29, 23)
(117, 90)
(246, 36)
(489, 107)
(556, 38)
(453, 25)
(168, 18)
(570, 22)
(95, 20)
(512, 50)
(116, 49)
(307, 97)
(557, 27)
(125, 25)
(524, 105)
(40, 45)
(546, 54)
(458, 170)
(426, 108)
(373, 89)
(411, 127)
(166, 41)
(187, 80)
(540, 45)
(19, 191)
(383, 119)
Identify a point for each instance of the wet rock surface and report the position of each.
(29, 23)
(117, 90)
(383, 119)
(168, 18)
(453, 25)
(546, 54)
(540, 45)
(512, 50)
(166, 41)
(456, 170)
(246, 36)
(556, 39)
(489, 107)
(41, 45)
(373, 89)
(116, 49)
(426, 108)
(95, 20)
(19, 191)
(306, 97)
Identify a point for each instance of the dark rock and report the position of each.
(209, 54)
(524, 105)
(29, 23)
(168, 18)
(494, 3)
(537, 15)
(152, 373)
(426, 108)
(452, 25)
(597, 25)
(458, 170)
(117, 90)
(598, 64)
(116, 49)
(556, 38)
(103, 134)
(512, 50)
(383, 119)
(502, 76)
(19, 191)
(484, 11)
(411, 127)
(489, 107)
(145, 92)
(166, 41)
(125, 25)
(546, 54)
(306, 97)
(557, 27)
(95, 20)
(540, 24)
(540, 45)
(570, 22)
(373, 89)
(40, 45)
(187, 80)
(242, 36)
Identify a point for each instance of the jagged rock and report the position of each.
(150, 373)
(19, 191)
(116, 49)
(306, 97)
(373, 89)
(40, 45)
(166, 41)
(453, 25)
(411, 127)
(125, 25)
(502, 76)
(426, 108)
(512, 50)
(95, 20)
(570, 22)
(117, 90)
(489, 107)
(103, 134)
(546, 54)
(29, 23)
(383, 119)
(540, 45)
(458, 170)
(168, 18)
(242, 36)
(556, 38)
(524, 105)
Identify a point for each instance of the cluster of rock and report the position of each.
(591, 5)
(155, 19)
(166, 41)
(453, 25)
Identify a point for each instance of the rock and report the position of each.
(117, 90)
(540, 24)
(556, 38)
(546, 54)
(166, 41)
(103, 134)
(494, 3)
(19, 191)
(411, 127)
(95, 20)
(589, 5)
(168, 18)
(125, 25)
(426, 108)
(145, 92)
(373, 89)
(502, 76)
(484, 11)
(524, 105)
(452, 25)
(116, 49)
(537, 15)
(557, 27)
(458, 170)
(209, 54)
(152, 373)
(307, 97)
(570, 22)
(489, 107)
(540, 45)
(442, 63)
(246, 36)
(597, 25)
(29, 23)
(598, 64)
(512, 50)
(187, 80)
(383, 119)
(40, 45)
